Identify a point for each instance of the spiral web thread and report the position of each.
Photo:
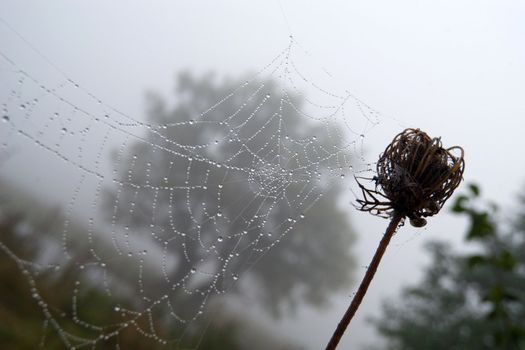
(57, 138)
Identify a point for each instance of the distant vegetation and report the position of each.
(466, 300)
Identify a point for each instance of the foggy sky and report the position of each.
(453, 68)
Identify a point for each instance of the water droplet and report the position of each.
(268, 95)
(64, 130)
(193, 270)
(235, 277)
(220, 239)
(219, 214)
(362, 136)
(220, 186)
(5, 118)
(302, 216)
(22, 106)
(116, 308)
(342, 176)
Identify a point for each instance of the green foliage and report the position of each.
(469, 300)
(25, 232)
(23, 324)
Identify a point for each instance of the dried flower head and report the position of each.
(415, 176)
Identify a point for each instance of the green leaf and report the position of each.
(480, 226)
(475, 260)
(506, 261)
(474, 189)
(495, 295)
(459, 204)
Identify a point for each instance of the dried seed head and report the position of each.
(417, 175)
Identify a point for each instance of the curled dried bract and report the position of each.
(415, 176)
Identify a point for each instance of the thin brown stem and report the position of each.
(359, 295)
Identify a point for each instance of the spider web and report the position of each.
(160, 231)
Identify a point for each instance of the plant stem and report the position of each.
(370, 272)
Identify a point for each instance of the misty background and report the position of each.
(452, 69)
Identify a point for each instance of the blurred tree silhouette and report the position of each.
(469, 300)
(307, 265)
(240, 131)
